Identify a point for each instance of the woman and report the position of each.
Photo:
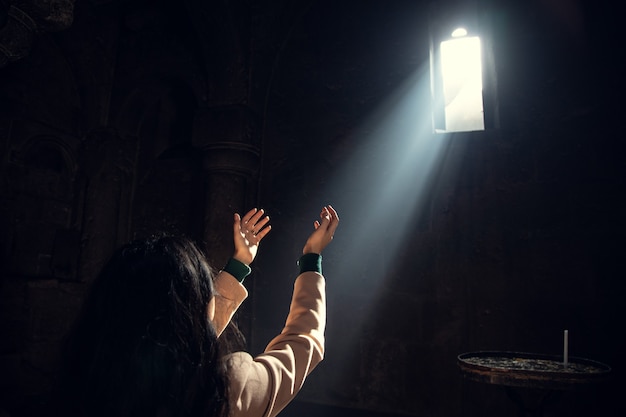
(146, 343)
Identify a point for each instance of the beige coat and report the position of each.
(262, 386)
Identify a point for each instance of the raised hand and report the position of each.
(324, 231)
(248, 233)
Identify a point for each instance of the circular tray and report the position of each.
(531, 370)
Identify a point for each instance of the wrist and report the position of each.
(311, 249)
(243, 258)
(238, 269)
(310, 262)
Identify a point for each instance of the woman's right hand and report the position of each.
(324, 231)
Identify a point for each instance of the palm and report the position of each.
(247, 243)
(248, 233)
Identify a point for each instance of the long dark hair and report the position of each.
(143, 344)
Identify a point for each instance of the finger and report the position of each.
(237, 223)
(249, 215)
(263, 232)
(333, 212)
(335, 221)
(334, 216)
(316, 224)
(259, 225)
(255, 218)
(255, 229)
(325, 216)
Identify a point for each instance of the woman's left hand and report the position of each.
(248, 233)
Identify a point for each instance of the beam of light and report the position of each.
(382, 187)
(381, 192)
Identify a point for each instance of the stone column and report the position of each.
(231, 159)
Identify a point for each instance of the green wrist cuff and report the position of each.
(237, 269)
(310, 262)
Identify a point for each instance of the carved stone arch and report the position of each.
(49, 152)
(22, 20)
(45, 88)
(47, 167)
(44, 238)
(168, 172)
(160, 114)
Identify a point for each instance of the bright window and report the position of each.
(460, 92)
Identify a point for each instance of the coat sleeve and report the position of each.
(262, 386)
(230, 293)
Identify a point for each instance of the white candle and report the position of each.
(565, 347)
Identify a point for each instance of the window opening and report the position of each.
(460, 88)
